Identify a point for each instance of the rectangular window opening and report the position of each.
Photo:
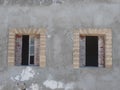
(92, 48)
(91, 51)
(25, 49)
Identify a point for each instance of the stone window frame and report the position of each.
(107, 33)
(24, 31)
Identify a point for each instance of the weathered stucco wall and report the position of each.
(60, 18)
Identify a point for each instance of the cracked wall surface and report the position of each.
(60, 18)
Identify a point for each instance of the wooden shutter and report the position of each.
(82, 50)
(37, 45)
(18, 50)
(101, 51)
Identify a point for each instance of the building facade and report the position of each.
(44, 44)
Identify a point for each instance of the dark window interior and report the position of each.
(91, 51)
(25, 49)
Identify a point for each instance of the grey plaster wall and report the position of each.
(60, 18)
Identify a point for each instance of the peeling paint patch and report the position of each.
(50, 84)
(69, 86)
(53, 84)
(26, 74)
(60, 85)
(34, 87)
(12, 79)
(17, 77)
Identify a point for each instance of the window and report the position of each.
(92, 48)
(92, 51)
(27, 47)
